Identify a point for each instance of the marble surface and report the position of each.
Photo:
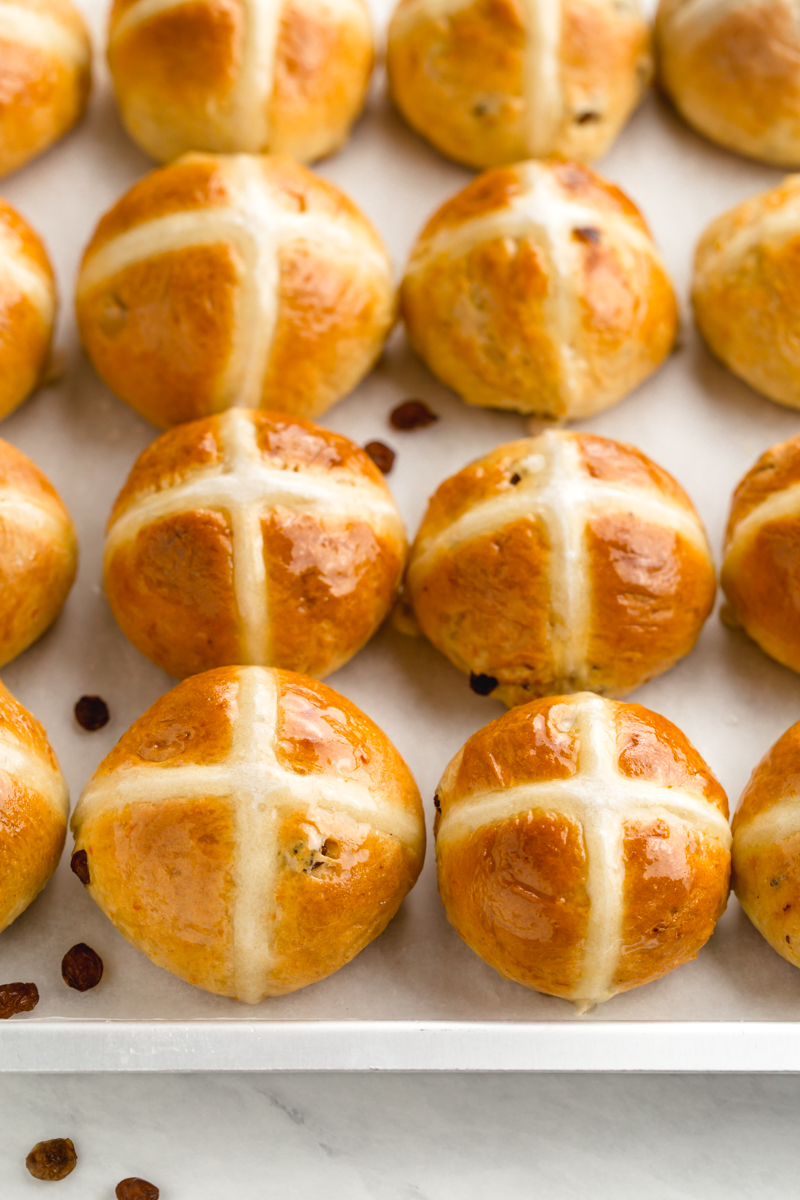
(408, 1137)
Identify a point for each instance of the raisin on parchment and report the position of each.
(51, 1160)
(383, 456)
(17, 998)
(136, 1189)
(412, 414)
(91, 712)
(82, 968)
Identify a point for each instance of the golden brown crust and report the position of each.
(732, 73)
(512, 269)
(191, 724)
(561, 563)
(516, 893)
(312, 835)
(38, 553)
(330, 584)
(650, 747)
(172, 592)
(761, 570)
(766, 846)
(745, 282)
(187, 322)
(582, 846)
(33, 809)
(46, 79)
(189, 78)
(143, 851)
(652, 592)
(462, 79)
(240, 570)
(27, 309)
(676, 889)
(532, 743)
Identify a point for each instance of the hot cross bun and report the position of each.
(252, 832)
(242, 280)
(582, 847)
(286, 76)
(253, 538)
(491, 82)
(561, 563)
(538, 288)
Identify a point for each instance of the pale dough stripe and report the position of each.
(543, 94)
(22, 275)
(43, 31)
(771, 825)
(785, 503)
(601, 801)
(18, 510)
(240, 450)
(31, 772)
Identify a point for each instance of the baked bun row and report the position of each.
(486, 84)
(253, 831)
(537, 288)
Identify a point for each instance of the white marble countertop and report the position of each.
(408, 1137)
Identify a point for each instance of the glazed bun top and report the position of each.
(45, 65)
(539, 288)
(732, 68)
(279, 76)
(637, 818)
(491, 83)
(234, 280)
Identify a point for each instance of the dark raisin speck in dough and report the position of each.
(79, 865)
(382, 456)
(17, 998)
(82, 968)
(412, 414)
(136, 1189)
(482, 685)
(52, 1160)
(91, 712)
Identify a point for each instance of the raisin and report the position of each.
(55, 1159)
(82, 968)
(483, 685)
(17, 998)
(515, 479)
(382, 456)
(136, 1189)
(91, 713)
(412, 414)
(586, 118)
(437, 804)
(79, 865)
(588, 234)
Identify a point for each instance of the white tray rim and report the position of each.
(144, 1046)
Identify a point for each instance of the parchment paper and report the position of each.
(694, 418)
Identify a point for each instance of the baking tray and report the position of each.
(417, 998)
